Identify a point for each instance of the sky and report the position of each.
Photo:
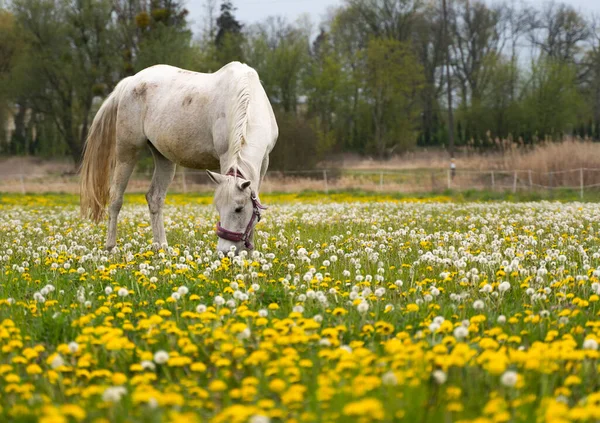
(251, 11)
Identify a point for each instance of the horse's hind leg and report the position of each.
(123, 168)
(164, 171)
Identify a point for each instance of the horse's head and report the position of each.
(239, 210)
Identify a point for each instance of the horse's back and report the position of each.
(184, 114)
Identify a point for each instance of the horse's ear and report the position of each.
(215, 177)
(243, 184)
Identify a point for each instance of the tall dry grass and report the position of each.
(559, 164)
(547, 164)
(555, 157)
(507, 155)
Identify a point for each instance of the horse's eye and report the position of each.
(239, 209)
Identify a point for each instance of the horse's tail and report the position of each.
(99, 157)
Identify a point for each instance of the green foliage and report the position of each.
(297, 147)
(229, 38)
(370, 82)
(227, 23)
(552, 102)
(279, 52)
(324, 82)
(10, 47)
(393, 79)
(498, 111)
(69, 51)
(163, 36)
(164, 44)
(74, 51)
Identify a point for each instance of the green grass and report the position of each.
(562, 195)
(372, 307)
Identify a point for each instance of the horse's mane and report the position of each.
(239, 111)
(237, 136)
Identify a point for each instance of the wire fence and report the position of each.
(408, 181)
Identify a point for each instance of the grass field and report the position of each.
(354, 308)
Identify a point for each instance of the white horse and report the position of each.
(197, 120)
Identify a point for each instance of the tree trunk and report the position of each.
(75, 148)
(86, 116)
(450, 113)
(72, 141)
(19, 136)
(379, 130)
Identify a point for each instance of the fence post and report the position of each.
(530, 181)
(515, 182)
(581, 182)
(493, 181)
(22, 183)
(183, 182)
(381, 181)
(325, 180)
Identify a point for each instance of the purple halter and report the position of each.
(242, 236)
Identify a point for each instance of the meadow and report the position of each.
(352, 309)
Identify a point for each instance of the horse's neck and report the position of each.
(250, 157)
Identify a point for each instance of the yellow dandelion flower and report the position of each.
(198, 367)
(217, 386)
(73, 410)
(119, 379)
(411, 308)
(277, 385)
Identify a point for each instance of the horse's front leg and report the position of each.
(164, 171)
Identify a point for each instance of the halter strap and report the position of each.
(242, 236)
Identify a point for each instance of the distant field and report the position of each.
(354, 308)
(550, 166)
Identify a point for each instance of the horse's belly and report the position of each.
(200, 162)
(187, 153)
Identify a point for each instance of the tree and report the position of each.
(165, 45)
(591, 82)
(68, 60)
(164, 36)
(279, 52)
(385, 18)
(430, 47)
(450, 105)
(497, 113)
(131, 19)
(476, 36)
(517, 26)
(348, 42)
(551, 99)
(297, 147)
(393, 80)
(229, 38)
(11, 47)
(559, 32)
(324, 82)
